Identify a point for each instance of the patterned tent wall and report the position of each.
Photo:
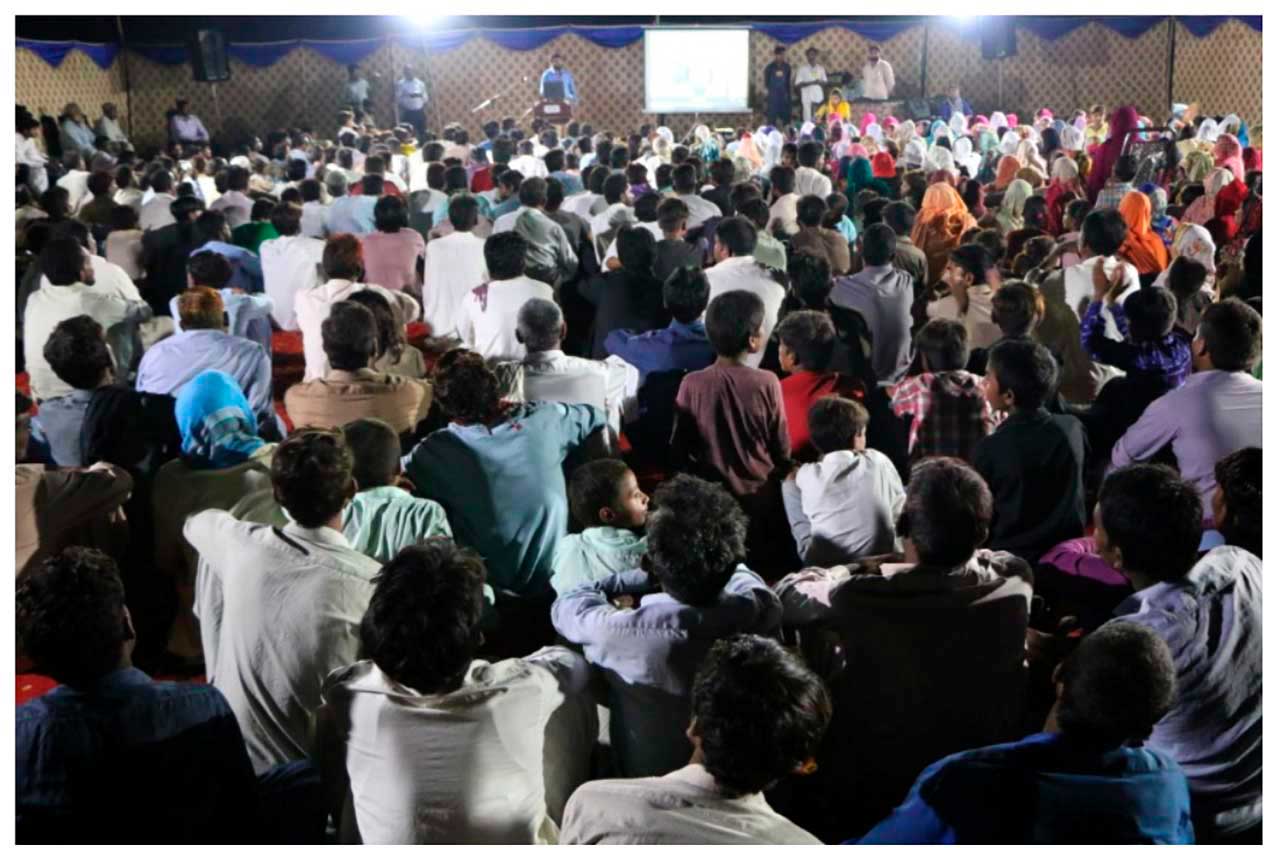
(1221, 71)
(1090, 64)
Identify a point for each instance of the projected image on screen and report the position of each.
(696, 70)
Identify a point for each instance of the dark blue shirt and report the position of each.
(1044, 789)
(682, 346)
(1168, 358)
(131, 760)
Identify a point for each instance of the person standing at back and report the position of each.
(411, 98)
(883, 295)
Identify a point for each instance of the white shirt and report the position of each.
(156, 212)
(76, 185)
(109, 127)
(849, 502)
(505, 223)
(980, 331)
(290, 265)
(411, 94)
(609, 385)
(683, 807)
(608, 217)
(580, 204)
(700, 210)
(50, 305)
(811, 181)
(612, 252)
(786, 210)
(811, 73)
(312, 223)
(279, 610)
(742, 273)
(454, 266)
(236, 208)
(312, 307)
(132, 197)
(492, 762)
(877, 80)
(357, 91)
(206, 186)
(29, 154)
(488, 317)
(529, 166)
(1078, 284)
(109, 280)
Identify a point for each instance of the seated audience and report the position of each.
(610, 509)
(883, 295)
(549, 254)
(454, 266)
(683, 343)
(499, 747)
(78, 355)
(844, 506)
(393, 253)
(969, 300)
(757, 715)
(1086, 778)
(945, 406)
(813, 238)
(901, 218)
(1146, 321)
(690, 591)
(1017, 308)
(805, 350)
(353, 389)
(291, 264)
(735, 269)
(248, 315)
(488, 317)
(630, 297)
(1034, 462)
(395, 355)
(1236, 501)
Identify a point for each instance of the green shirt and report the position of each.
(768, 251)
(595, 554)
(253, 234)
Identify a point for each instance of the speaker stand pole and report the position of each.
(127, 75)
(219, 117)
(1000, 85)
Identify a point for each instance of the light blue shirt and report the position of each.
(247, 271)
(80, 137)
(249, 316)
(351, 214)
(382, 521)
(595, 554)
(176, 360)
(650, 654)
(563, 76)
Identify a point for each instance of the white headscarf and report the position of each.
(1009, 143)
(874, 131)
(939, 159)
(702, 133)
(914, 153)
(1208, 130)
(1072, 138)
(1230, 125)
(1065, 169)
(772, 154)
(1029, 155)
(1193, 241)
(666, 133)
(963, 154)
(998, 121)
(957, 123)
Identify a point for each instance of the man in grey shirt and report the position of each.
(883, 295)
(549, 254)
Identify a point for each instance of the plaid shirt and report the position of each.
(950, 415)
(1111, 194)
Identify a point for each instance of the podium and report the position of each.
(552, 110)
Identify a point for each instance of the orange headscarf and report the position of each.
(1141, 246)
(943, 214)
(1006, 170)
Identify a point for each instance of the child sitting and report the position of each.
(805, 350)
(946, 410)
(1187, 280)
(843, 507)
(970, 274)
(1146, 319)
(606, 500)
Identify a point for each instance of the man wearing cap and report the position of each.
(808, 80)
(777, 84)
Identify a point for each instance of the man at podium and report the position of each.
(557, 83)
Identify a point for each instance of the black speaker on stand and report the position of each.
(998, 37)
(210, 56)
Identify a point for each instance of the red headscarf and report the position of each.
(1228, 154)
(1141, 246)
(883, 165)
(1224, 224)
(1251, 159)
(1123, 121)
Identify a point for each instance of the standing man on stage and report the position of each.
(556, 83)
(878, 79)
(777, 84)
(808, 80)
(410, 101)
(357, 93)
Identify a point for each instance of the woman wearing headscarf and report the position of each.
(1006, 171)
(1208, 131)
(704, 144)
(1228, 154)
(1193, 242)
(1223, 225)
(1050, 142)
(860, 177)
(939, 226)
(867, 119)
(1197, 165)
(939, 159)
(748, 150)
(1009, 217)
(957, 125)
(1143, 249)
(1064, 186)
(1164, 225)
(835, 106)
(963, 154)
(1250, 160)
(1202, 209)
(914, 153)
(1031, 175)
(222, 460)
(1072, 138)
(972, 196)
(1122, 122)
(1011, 120)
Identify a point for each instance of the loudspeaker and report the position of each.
(999, 37)
(210, 61)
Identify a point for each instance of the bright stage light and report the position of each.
(427, 21)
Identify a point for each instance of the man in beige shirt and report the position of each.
(820, 241)
(352, 390)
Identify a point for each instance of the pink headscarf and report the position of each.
(858, 150)
(978, 120)
(868, 119)
(1044, 113)
(1012, 120)
(890, 121)
(1228, 154)
(1108, 152)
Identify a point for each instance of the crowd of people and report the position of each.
(889, 481)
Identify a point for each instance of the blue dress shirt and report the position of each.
(247, 271)
(563, 76)
(249, 316)
(176, 360)
(682, 346)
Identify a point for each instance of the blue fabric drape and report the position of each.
(1201, 26)
(55, 52)
(163, 54)
(261, 55)
(873, 30)
(346, 52)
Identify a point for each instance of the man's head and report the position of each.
(311, 475)
(1228, 337)
(1103, 232)
(1125, 170)
(1148, 523)
(349, 336)
(202, 308)
(1115, 686)
(809, 154)
(779, 53)
(506, 255)
(696, 539)
(77, 353)
(410, 73)
(465, 387)
(1151, 314)
(878, 245)
(375, 452)
(72, 617)
(556, 61)
(755, 211)
(343, 258)
(685, 294)
(286, 218)
(810, 210)
(875, 53)
(684, 179)
(969, 265)
(182, 107)
(533, 193)
(540, 325)
(109, 110)
(734, 236)
(100, 184)
(947, 513)
(1021, 375)
(836, 423)
(781, 178)
(1016, 309)
(463, 212)
(942, 345)
(605, 493)
(735, 323)
(900, 217)
(810, 278)
(759, 714)
(812, 54)
(211, 226)
(806, 341)
(1235, 503)
(65, 261)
